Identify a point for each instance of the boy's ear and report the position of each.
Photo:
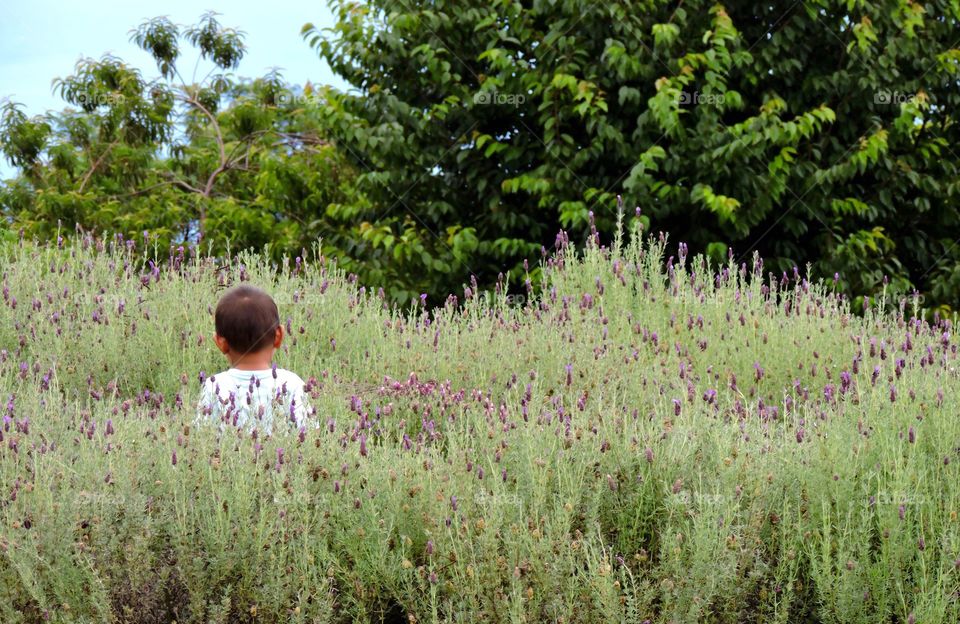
(278, 337)
(222, 343)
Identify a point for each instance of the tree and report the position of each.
(816, 132)
(233, 163)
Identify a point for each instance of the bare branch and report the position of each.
(95, 165)
(178, 182)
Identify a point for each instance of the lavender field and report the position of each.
(645, 439)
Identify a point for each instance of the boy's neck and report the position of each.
(252, 361)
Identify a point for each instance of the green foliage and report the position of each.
(818, 133)
(634, 442)
(235, 164)
(815, 132)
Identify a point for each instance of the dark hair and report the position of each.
(247, 318)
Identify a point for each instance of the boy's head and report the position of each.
(247, 322)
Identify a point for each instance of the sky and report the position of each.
(43, 39)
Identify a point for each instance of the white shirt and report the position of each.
(253, 399)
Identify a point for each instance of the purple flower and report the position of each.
(453, 502)
(173, 458)
(911, 435)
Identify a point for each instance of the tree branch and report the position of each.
(94, 166)
(208, 187)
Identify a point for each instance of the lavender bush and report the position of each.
(646, 439)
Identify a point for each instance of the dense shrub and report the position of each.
(639, 441)
(821, 131)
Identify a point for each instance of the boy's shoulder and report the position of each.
(230, 379)
(216, 378)
(289, 376)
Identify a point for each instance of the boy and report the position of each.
(253, 393)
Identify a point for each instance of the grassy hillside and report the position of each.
(646, 439)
